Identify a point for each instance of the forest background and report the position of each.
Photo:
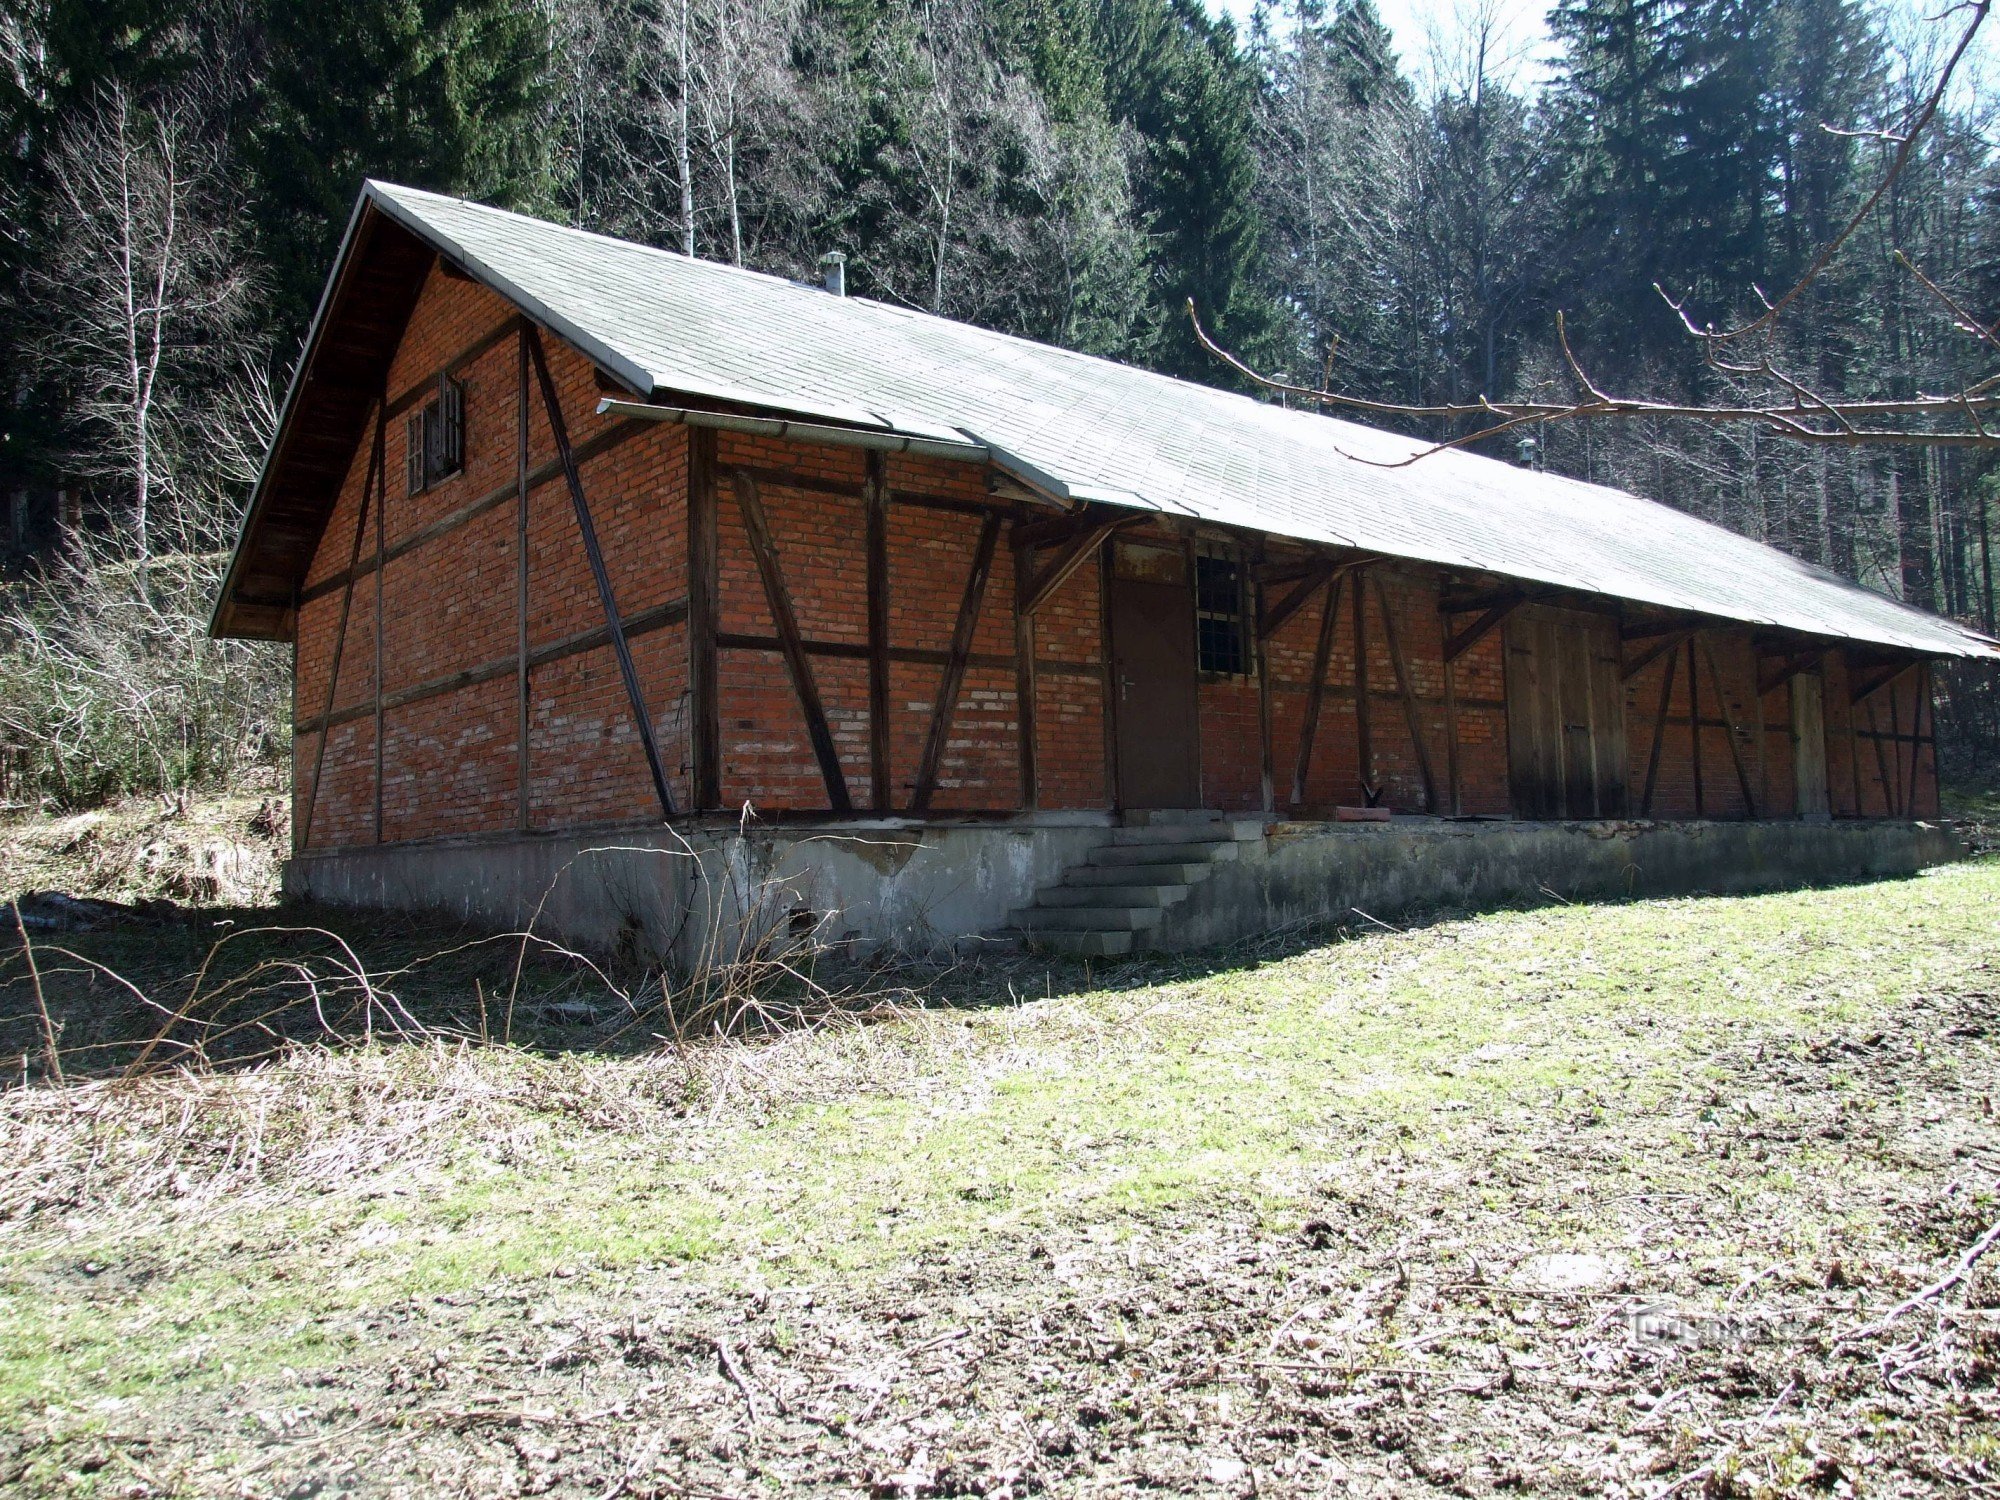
(176, 175)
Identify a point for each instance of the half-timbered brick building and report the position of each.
(656, 594)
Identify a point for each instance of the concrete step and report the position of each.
(1180, 872)
(1087, 918)
(1175, 853)
(1149, 893)
(1213, 831)
(1083, 944)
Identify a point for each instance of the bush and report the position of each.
(110, 684)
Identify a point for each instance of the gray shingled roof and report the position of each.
(674, 326)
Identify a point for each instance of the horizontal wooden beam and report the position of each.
(642, 623)
(485, 344)
(916, 656)
(472, 510)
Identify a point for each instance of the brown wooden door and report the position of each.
(1809, 744)
(1153, 678)
(1565, 715)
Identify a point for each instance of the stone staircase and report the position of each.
(1117, 900)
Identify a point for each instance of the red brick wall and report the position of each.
(450, 758)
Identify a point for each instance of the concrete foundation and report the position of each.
(678, 896)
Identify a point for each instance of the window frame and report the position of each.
(434, 438)
(1241, 617)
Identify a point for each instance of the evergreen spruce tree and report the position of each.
(441, 94)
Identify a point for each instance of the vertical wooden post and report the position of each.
(1881, 761)
(1108, 674)
(1853, 739)
(523, 804)
(1659, 732)
(875, 504)
(1763, 759)
(1916, 735)
(1364, 734)
(1024, 682)
(1261, 664)
(1329, 617)
(1694, 727)
(1453, 800)
(340, 637)
(381, 566)
(1411, 716)
(704, 698)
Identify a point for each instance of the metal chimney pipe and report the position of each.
(833, 269)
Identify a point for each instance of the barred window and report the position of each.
(434, 437)
(1221, 625)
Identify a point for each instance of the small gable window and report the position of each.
(1222, 635)
(435, 436)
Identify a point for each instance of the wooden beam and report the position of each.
(1882, 765)
(1364, 729)
(954, 671)
(381, 547)
(1410, 714)
(1267, 776)
(1457, 645)
(1454, 799)
(559, 431)
(1916, 742)
(1269, 623)
(1329, 617)
(1788, 667)
(472, 510)
(764, 548)
(1033, 592)
(421, 390)
(594, 639)
(1729, 731)
(340, 639)
(1653, 653)
(523, 771)
(875, 510)
(1875, 681)
(1694, 728)
(704, 623)
(1659, 736)
(1024, 688)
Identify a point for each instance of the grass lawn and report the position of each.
(1385, 1215)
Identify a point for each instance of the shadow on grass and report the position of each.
(165, 986)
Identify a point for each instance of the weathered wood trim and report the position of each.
(1329, 618)
(594, 639)
(1875, 681)
(704, 615)
(621, 648)
(954, 671)
(416, 392)
(1410, 714)
(1788, 667)
(1025, 688)
(1033, 592)
(1694, 727)
(472, 510)
(980, 509)
(1364, 729)
(1270, 622)
(1107, 681)
(1881, 763)
(1454, 796)
(919, 656)
(381, 465)
(875, 504)
(523, 771)
(1659, 735)
(764, 548)
(1457, 645)
(1267, 775)
(339, 642)
(1916, 742)
(1673, 641)
(1729, 730)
